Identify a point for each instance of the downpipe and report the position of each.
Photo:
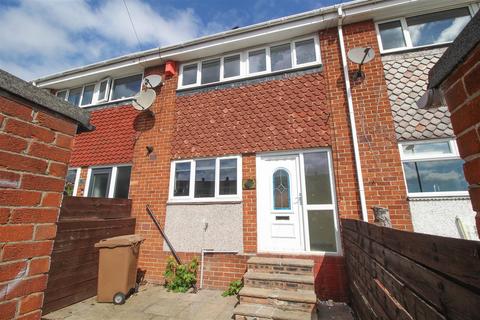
(353, 126)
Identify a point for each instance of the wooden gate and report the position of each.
(74, 265)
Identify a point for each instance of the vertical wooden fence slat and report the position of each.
(74, 263)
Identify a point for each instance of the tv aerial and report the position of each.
(360, 56)
(145, 98)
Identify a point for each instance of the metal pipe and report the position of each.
(353, 126)
(202, 260)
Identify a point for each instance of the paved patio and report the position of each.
(153, 302)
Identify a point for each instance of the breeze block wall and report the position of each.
(35, 148)
(462, 94)
(380, 158)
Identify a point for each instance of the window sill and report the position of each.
(438, 196)
(414, 49)
(203, 201)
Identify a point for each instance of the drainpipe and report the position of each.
(353, 127)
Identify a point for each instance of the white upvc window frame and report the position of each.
(473, 8)
(453, 155)
(77, 180)
(113, 178)
(83, 91)
(112, 85)
(244, 62)
(217, 196)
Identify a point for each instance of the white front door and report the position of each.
(296, 207)
(279, 203)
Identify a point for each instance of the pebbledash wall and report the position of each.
(35, 148)
(291, 111)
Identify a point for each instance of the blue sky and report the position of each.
(41, 37)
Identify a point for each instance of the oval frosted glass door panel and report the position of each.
(321, 226)
(317, 178)
(281, 190)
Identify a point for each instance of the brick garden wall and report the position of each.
(35, 149)
(462, 94)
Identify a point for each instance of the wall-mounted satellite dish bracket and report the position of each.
(360, 56)
(152, 81)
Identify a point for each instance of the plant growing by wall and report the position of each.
(180, 277)
(233, 288)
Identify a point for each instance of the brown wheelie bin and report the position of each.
(117, 267)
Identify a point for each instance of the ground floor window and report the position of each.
(108, 182)
(433, 167)
(206, 179)
(71, 182)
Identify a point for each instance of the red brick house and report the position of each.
(259, 138)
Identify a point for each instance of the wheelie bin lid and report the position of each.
(120, 241)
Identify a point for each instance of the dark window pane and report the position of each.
(87, 94)
(317, 178)
(122, 184)
(437, 27)
(99, 182)
(305, 51)
(189, 74)
(204, 178)
(126, 87)
(231, 66)
(391, 34)
(281, 190)
(435, 176)
(70, 182)
(102, 94)
(182, 180)
(211, 71)
(228, 176)
(257, 61)
(74, 96)
(321, 226)
(427, 148)
(62, 94)
(281, 57)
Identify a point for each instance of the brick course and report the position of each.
(34, 154)
(462, 94)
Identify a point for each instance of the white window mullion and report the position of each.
(217, 177)
(199, 73)
(192, 179)
(113, 180)
(268, 60)
(293, 54)
(406, 33)
(77, 180)
(87, 182)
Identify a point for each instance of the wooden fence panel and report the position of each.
(74, 263)
(404, 275)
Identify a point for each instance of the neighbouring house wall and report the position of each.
(381, 166)
(35, 148)
(437, 216)
(205, 226)
(462, 94)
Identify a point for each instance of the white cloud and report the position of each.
(42, 37)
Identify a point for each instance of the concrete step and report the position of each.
(300, 300)
(263, 312)
(278, 280)
(280, 265)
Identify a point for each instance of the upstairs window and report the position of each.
(433, 168)
(206, 179)
(102, 91)
(253, 62)
(126, 87)
(423, 30)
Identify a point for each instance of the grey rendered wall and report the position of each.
(185, 227)
(437, 216)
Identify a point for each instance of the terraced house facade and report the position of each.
(260, 138)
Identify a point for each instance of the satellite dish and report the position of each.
(360, 56)
(144, 99)
(152, 81)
